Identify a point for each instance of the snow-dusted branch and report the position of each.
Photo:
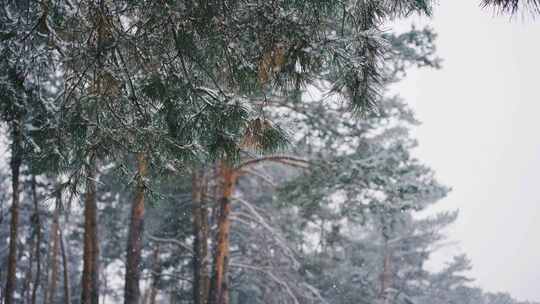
(259, 219)
(271, 276)
(170, 241)
(283, 159)
(255, 173)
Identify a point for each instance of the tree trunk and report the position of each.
(145, 296)
(220, 285)
(90, 276)
(25, 292)
(65, 266)
(386, 275)
(134, 245)
(53, 279)
(156, 274)
(105, 285)
(37, 225)
(201, 276)
(65, 252)
(16, 160)
(172, 297)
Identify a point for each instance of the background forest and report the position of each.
(217, 152)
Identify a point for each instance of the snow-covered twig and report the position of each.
(272, 276)
(170, 241)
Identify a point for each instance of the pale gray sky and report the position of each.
(480, 132)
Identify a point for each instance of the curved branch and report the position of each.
(264, 178)
(170, 241)
(284, 159)
(272, 276)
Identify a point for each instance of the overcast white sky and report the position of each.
(481, 133)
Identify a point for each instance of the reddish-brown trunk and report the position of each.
(90, 276)
(220, 285)
(201, 283)
(134, 245)
(16, 160)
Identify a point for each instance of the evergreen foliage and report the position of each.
(513, 6)
(259, 132)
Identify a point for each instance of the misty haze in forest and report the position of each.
(264, 152)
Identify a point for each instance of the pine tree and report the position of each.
(139, 101)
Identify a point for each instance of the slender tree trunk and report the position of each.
(150, 294)
(33, 248)
(172, 297)
(53, 279)
(37, 225)
(201, 276)
(65, 266)
(156, 274)
(105, 285)
(220, 285)
(25, 292)
(64, 250)
(145, 296)
(134, 245)
(90, 276)
(16, 160)
(204, 253)
(386, 275)
(196, 203)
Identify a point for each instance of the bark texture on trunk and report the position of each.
(105, 285)
(219, 293)
(37, 225)
(65, 266)
(201, 274)
(156, 275)
(53, 279)
(90, 276)
(25, 292)
(145, 296)
(16, 161)
(386, 275)
(134, 245)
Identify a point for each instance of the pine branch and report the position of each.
(513, 6)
